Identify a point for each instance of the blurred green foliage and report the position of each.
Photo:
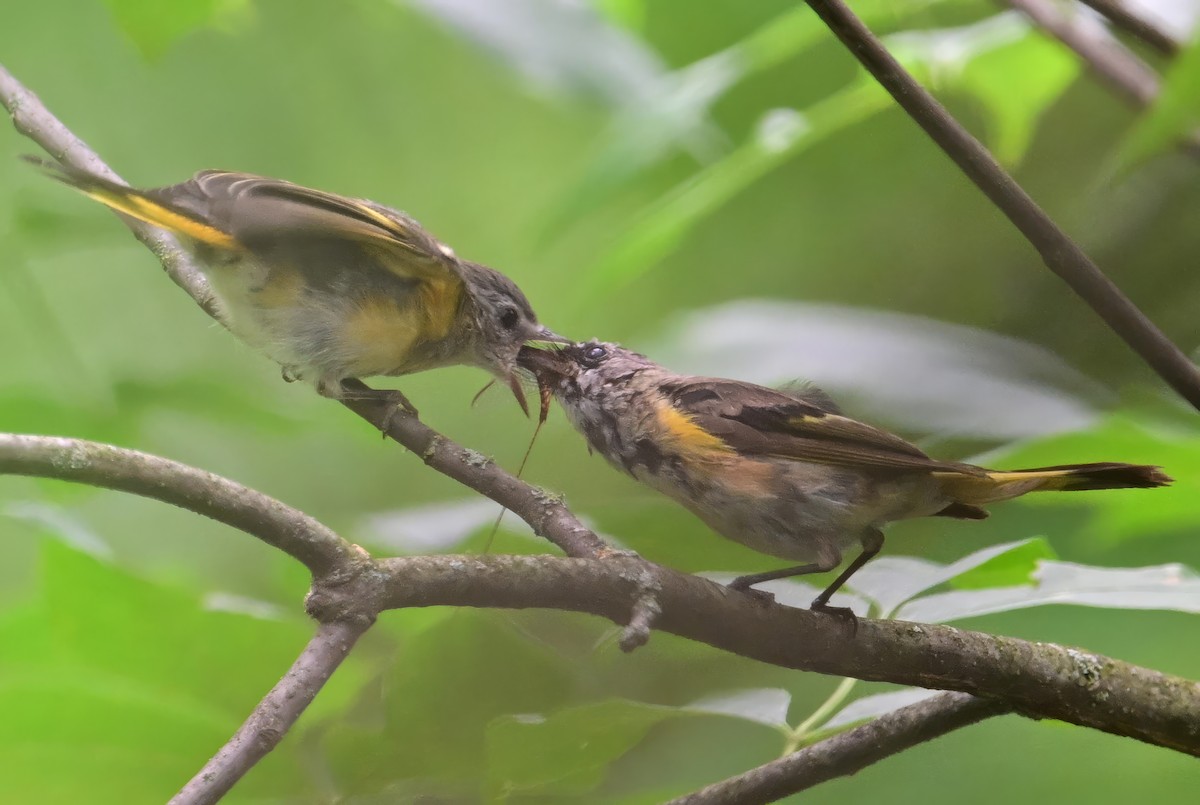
(633, 165)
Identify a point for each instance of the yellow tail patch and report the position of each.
(137, 206)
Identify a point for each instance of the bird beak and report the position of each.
(514, 383)
(546, 337)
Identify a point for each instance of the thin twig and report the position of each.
(548, 516)
(1104, 55)
(1118, 66)
(1149, 31)
(848, 752)
(1062, 255)
(277, 524)
(31, 118)
(1039, 679)
(275, 714)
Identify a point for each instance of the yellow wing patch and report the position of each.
(685, 437)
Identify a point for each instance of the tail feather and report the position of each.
(997, 486)
(136, 204)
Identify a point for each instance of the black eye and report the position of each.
(593, 355)
(509, 318)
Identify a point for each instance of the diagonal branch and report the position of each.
(1104, 55)
(848, 752)
(545, 514)
(1038, 679)
(1149, 31)
(1060, 254)
(1114, 63)
(275, 714)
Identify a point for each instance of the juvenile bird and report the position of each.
(782, 472)
(331, 287)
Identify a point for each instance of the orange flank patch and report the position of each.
(685, 437)
(143, 209)
(380, 336)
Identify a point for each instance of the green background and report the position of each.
(134, 638)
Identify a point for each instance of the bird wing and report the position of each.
(258, 211)
(755, 420)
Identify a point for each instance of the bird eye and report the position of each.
(509, 318)
(593, 355)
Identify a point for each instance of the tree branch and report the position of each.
(545, 514)
(322, 551)
(1104, 55)
(1115, 64)
(1039, 679)
(1127, 20)
(1060, 254)
(31, 118)
(848, 752)
(275, 714)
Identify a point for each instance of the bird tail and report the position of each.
(997, 486)
(135, 203)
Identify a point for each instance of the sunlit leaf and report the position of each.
(1168, 587)
(1017, 81)
(154, 26)
(869, 707)
(1174, 114)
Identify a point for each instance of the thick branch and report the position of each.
(275, 714)
(1144, 29)
(1040, 679)
(1062, 255)
(848, 752)
(295, 533)
(546, 515)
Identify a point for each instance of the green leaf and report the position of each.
(1174, 114)
(1118, 515)
(782, 134)
(456, 672)
(1166, 587)
(1011, 567)
(103, 665)
(154, 25)
(891, 580)
(565, 754)
(1016, 82)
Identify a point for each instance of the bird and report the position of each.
(783, 472)
(331, 287)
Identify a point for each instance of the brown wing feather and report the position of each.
(257, 210)
(760, 421)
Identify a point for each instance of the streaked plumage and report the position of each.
(783, 472)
